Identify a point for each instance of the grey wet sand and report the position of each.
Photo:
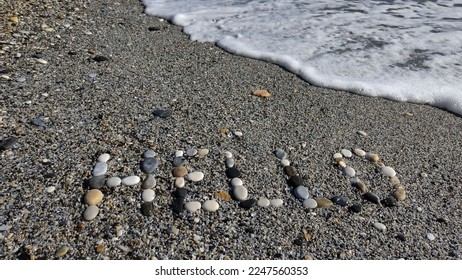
(65, 113)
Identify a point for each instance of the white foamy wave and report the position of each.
(402, 50)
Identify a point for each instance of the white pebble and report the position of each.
(236, 182)
(91, 212)
(50, 189)
(41, 61)
(192, 206)
(380, 226)
(285, 162)
(301, 192)
(100, 169)
(210, 205)
(131, 180)
(338, 155)
(179, 182)
(148, 195)
(203, 152)
(104, 158)
(240, 192)
(238, 133)
(263, 202)
(113, 182)
(362, 133)
(359, 152)
(228, 154)
(346, 153)
(195, 176)
(179, 153)
(430, 236)
(191, 152)
(277, 202)
(350, 172)
(388, 171)
(149, 154)
(310, 203)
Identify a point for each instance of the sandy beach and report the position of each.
(82, 78)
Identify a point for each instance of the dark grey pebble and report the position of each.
(390, 201)
(249, 230)
(178, 161)
(49, 175)
(96, 182)
(71, 52)
(401, 237)
(146, 208)
(163, 113)
(180, 192)
(100, 58)
(355, 208)
(371, 197)
(295, 181)
(290, 171)
(38, 122)
(340, 200)
(298, 241)
(8, 143)
(280, 154)
(233, 172)
(5, 70)
(247, 204)
(442, 220)
(154, 28)
(178, 205)
(148, 165)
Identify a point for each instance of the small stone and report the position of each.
(380, 226)
(247, 204)
(100, 169)
(179, 182)
(50, 189)
(240, 192)
(337, 156)
(93, 197)
(430, 236)
(100, 58)
(362, 133)
(8, 143)
(323, 202)
(179, 153)
(359, 152)
(228, 154)
(104, 158)
(92, 75)
(149, 154)
(233, 172)
(192, 206)
(342, 163)
(238, 133)
(178, 205)
(162, 113)
(41, 61)
(394, 181)
(390, 201)
(358, 184)
(131, 180)
(280, 154)
(346, 153)
(96, 182)
(148, 165)
(285, 162)
(290, 171)
(371, 197)
(191, 152)
(350, 172)
(148, 195)
(13, 19)
(388, 171)
(181, 192)
(178, 161)
(301, 192)
(38, 122)
(372, 157)
(150, 182)
(223, 195)
(91, 212)
(195, 176)
(21, 79)
(401, 237)
(179, 171)
(340, 200)
(399, 193)
(61, 251)
(147, 208)
(277, 202)
(113, 182)
(236, 182)
(261, 93)
(229, 162)
(310, 203)
(154, 28)
(203, 152)
(295, 181)
(355, 208)
(210, 205)
(263, 202)
(100, 249)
